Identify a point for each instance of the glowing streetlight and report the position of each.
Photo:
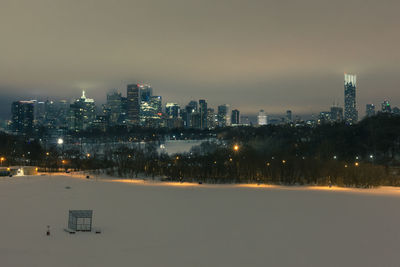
(60, 141)
(236, 147)
(356, 164)
(2, 159)
(371, 156)
(88, 155)
(268, 163)
(334, 157)
(283, 161)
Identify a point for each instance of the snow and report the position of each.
(154, 224)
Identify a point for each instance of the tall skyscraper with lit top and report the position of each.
(350, 108)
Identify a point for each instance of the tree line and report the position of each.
(362, 155)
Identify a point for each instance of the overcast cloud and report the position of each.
(254, 54)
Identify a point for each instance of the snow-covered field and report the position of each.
(196, 225)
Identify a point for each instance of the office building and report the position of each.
(133, 104)
(350, 108)
(113, 107)
(203, 113)
(262, 118)
(222, 117)
(289, 116)
(22, 113)
(211, 118)
(235, 118)
(82, 113)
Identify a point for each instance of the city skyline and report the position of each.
(223, 51)
(146, 91)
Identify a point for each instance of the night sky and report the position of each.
(260, 54)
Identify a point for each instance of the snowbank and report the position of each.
(196, 225)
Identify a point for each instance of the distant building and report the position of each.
(22, 117)
(114, 107)
(336, 114)
(203, 113)
(370, 110)
(51, 112)
(172, 110)
(146, 92)
(262, 118)
(63, 111)
(324, 117)
(289, 116)
(39, 113)
(151, 112)
(82, 113)
(223, 119)
(195, 120)
(193, 105)
(123, 117)
(211, 118)
(235, 118)
(133, 104)
(187, 113)
(350, 108)
(386, 107)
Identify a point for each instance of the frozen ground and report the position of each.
(196, 225)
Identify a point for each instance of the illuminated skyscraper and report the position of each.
(350, 108)
(151, 112)
(82, 113)
(262, 118)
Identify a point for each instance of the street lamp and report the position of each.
(236, 148)
(2, 159)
